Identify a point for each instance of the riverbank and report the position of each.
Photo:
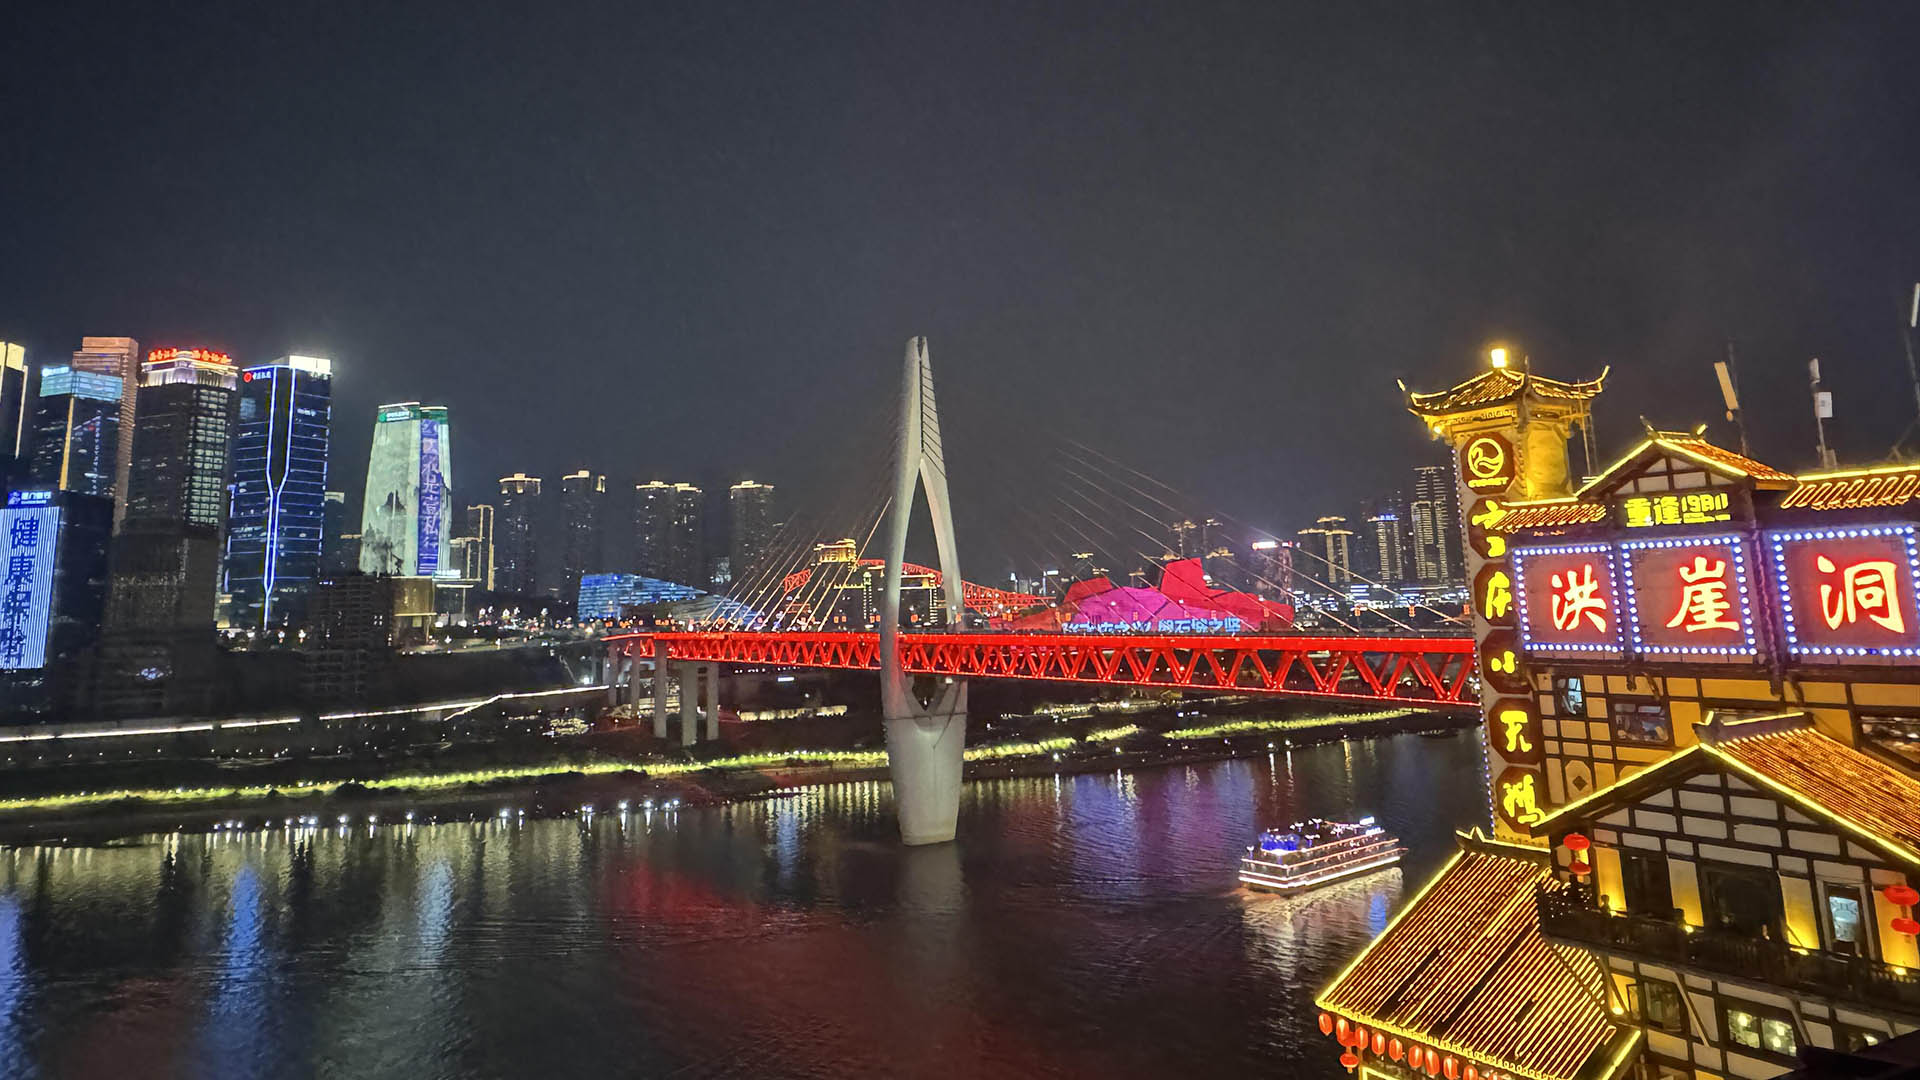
(1023, 746)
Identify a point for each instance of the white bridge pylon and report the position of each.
(925, 740)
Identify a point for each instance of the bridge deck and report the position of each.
(1430, 671)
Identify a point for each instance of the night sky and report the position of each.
(683, 241)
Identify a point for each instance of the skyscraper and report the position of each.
(516, 550)
(157, 653)
(335, 556)
(479, 569)
(582, 499)
(13, 412)
(750, 528)
(652, 525)
(74, 441)
(1331, 536)
(1389, 547)
(1436, 555)
(120, 358)
(275, 532)
(406, 517)
(686, 536)
(54, 590)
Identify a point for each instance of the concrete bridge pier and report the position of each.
(712, 699)
(659, 696)
(689, 704)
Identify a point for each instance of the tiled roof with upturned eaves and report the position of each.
(1496, 385)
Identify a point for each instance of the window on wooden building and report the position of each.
(1743, 901)
(1569, 695)
(1846, 920)
(1896, 738)
(1757, 1029)
(1642, 722)
(1644, 884)
(1659, 1005)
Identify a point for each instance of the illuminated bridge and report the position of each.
(1431, 672)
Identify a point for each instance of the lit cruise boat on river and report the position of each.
(1315, 852)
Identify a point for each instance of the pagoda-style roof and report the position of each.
(1499, 386)
(1691, 447)
(1465, 970)
(1855, 489)
(1788, 757)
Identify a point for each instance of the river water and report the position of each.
(1084, 925)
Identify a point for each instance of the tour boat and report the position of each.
(1315, 852)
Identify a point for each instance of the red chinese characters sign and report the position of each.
(1847, 595)
(1689, 599)
(1567, 599)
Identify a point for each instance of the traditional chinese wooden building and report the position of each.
(1701, 677)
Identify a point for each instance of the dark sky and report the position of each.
(684, 240)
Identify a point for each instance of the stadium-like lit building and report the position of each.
(405, 523)
(607, 596)
(276, 527)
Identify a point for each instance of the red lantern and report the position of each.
(1577, 842)
(1346, 1029)
(1326, 1024)
(1413, 1057)
(1904, 925)
(1433, 1062)
(1473, 1073)
(1350, 1060)
(1395, 1050)
(1451, 1067)
(1580, 868)
(1359, 1038)
(1379, 1043)
(1904, 895)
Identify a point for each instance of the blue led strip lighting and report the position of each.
(1737, 556)
(1527, 642)
(1777, 542)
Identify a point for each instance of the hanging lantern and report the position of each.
(1580, 868)
(1904, 925)
(1904, 895)
(1395, 1050)
(1345, 1030)
(1577, 842)
(1413, 1057)
(1350, 1060)
(1433, 1062)
(1472, 1073)
(1326, 1024)
(1451, 1067)
(1379, 1043)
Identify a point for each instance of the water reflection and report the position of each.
(1085, 924)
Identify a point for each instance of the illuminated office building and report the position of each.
(183, 425)
(74, 439)
(14, 443)
(669, 532)
(583, 497)
(1436, 546)
(1329, 538)
(335, 556)
(277, 526)
(1389, 547)
(516, 551)
(750, 511)
(55, 590)
(478, 567)
(120, 358)
(652, 521)
(406, 518)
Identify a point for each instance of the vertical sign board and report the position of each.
(432, 492)
(1847, 594)
(29, 535)
(1689, 599)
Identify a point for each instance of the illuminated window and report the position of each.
(1569, 695)
(1640, 722)
(1846, 925)
(1761, 1031)
(1854, 1040)
(1894, 737)
(1659, 1005)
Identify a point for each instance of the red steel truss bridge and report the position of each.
(1431, 672)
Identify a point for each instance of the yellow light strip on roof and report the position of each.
(1572, 808)
(1892, 847)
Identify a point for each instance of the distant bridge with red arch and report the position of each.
(1424, 672)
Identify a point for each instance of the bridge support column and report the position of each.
(924, 741)
(659, 693)
(610, 673)
(689, 708)
(713, 702)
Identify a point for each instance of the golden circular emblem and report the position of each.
(1485, 458)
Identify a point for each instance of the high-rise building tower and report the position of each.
(686, 536)
(583, 496)
(406, 518)
(74, 441)
(1331, 537)
(652, 525)
(157, 653)
(1436, 553)
(1389, 547)
(14, 443)
(277, 526)
(750, 525)
(479, 569)
(120, 358)
(56, 580)
(516, 548)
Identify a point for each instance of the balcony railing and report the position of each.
(1569, 914)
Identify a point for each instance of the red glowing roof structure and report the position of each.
(1184, 597)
